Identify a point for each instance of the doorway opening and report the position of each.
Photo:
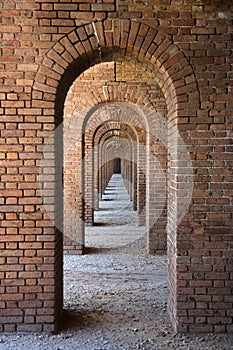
(115, 222)
(113, 136)
(148, 78)
(116, 150)
(117, 165)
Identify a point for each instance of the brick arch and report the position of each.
(74, 194)
(133, 133)
(121, 138)
(143, 117)
(129, 132)
(157, 144)
(73, 188)
(90, 44)
(107, 151)
(112, 91)
(95, 183)
(124, 139)
(113, 126)
(124, 113)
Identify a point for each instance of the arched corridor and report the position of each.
(115, 221)
(130, 119)
(83, 84)
(114, 125)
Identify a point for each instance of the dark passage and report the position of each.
(117, 166)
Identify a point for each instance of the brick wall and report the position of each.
(185, 47)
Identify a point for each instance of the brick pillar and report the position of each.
(141, 183)
(88, 179)
(31, 277)
(73, 190)
(157, 193)
(96, 177)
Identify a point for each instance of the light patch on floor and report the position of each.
(115, 223)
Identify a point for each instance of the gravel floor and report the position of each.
(115, 298)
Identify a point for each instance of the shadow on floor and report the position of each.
(72, 319)
(95, 250)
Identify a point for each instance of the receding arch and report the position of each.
(90, 44)
(99, 135)
(132, 133)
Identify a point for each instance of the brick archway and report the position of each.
(78, 50)
(136, 118)
(92, 44)
(96, 116)
(45, 49)
(127, 121)
(111, 40)
(109, 128)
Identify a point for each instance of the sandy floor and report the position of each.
(115, 297)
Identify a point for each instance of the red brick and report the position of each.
(183, 71)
